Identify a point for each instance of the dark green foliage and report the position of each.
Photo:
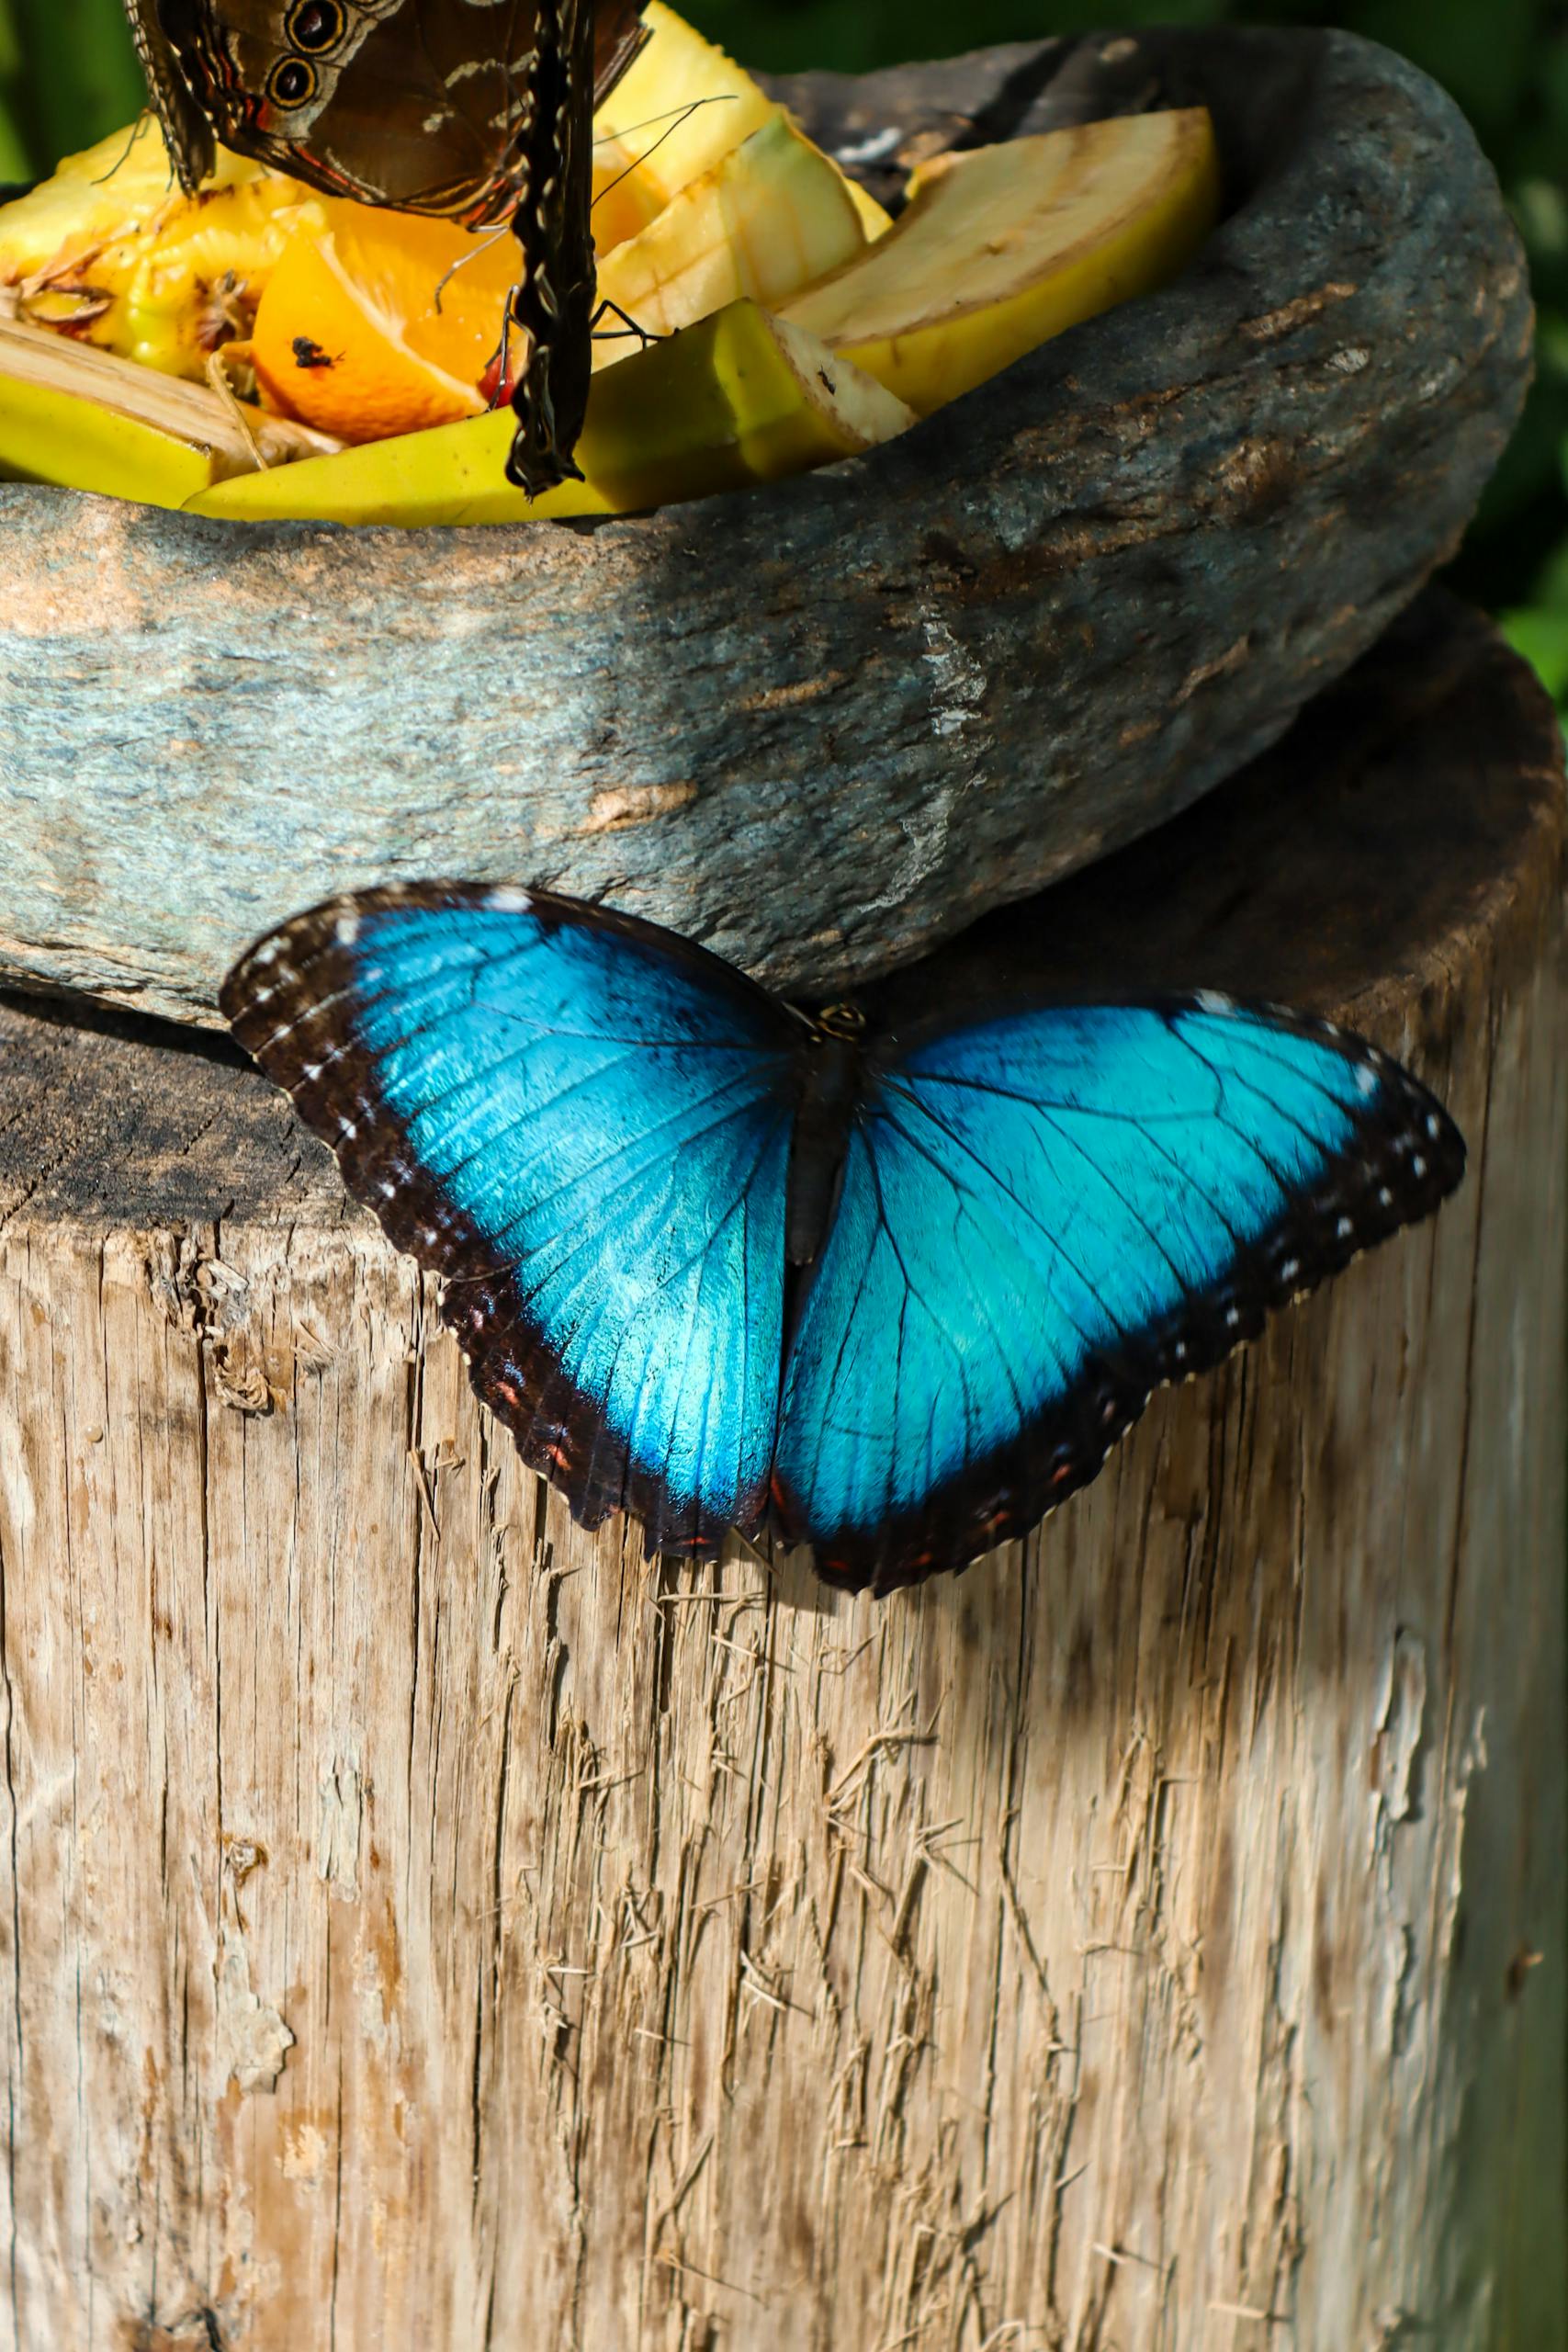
(67, 76)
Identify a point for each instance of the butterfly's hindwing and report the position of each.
(1042, 1219)
(582, 1125)
(418, 104)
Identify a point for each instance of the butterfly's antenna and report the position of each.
(680, 115)
(675, 116)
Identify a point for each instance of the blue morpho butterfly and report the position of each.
(719, 1263)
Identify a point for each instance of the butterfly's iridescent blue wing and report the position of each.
(1043, 1217)
(583, 1124)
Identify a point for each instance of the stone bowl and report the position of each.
(824, 724)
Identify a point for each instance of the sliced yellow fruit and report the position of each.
(682, 106)
(740, 398)
(106, 191)
(88, 420)
(110, 249)
(769, 217)
(623, 201)
(1002, 247)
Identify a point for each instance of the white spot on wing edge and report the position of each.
(508, 899)
(345, 931)
(1214, 1001)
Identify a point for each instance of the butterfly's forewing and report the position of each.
(583, 1124)
(1044, 1216)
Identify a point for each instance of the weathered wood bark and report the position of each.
(916, 685)
(424, 1926)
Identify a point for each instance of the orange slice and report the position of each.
(369, 331)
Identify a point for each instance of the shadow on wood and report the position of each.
(423, 1925)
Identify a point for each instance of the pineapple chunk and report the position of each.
(769, 217)
(106, 191)
(109, 250)
(624, 200)
(682, 108)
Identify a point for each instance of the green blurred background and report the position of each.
(67, 76)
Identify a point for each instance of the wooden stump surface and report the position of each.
(425, 1927)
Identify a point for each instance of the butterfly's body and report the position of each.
(453, 107)
(832, 1073)
(893, 1294)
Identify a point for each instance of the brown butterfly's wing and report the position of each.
(553, 306)
(187, 131)
(421, 105)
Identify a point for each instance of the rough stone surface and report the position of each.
(822, 725)
(424, 1926)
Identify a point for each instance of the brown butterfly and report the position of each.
(468, 108)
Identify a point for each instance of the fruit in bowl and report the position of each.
(258, 350)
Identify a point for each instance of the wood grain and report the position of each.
(423, 1926)
(915, 686)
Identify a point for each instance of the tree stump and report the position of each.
(424, 1926)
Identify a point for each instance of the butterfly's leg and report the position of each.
(628, 326)
(497, 377)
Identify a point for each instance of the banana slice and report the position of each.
(737, 399)
(1003, 247)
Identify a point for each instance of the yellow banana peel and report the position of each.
(739, 398)
(88, 420)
